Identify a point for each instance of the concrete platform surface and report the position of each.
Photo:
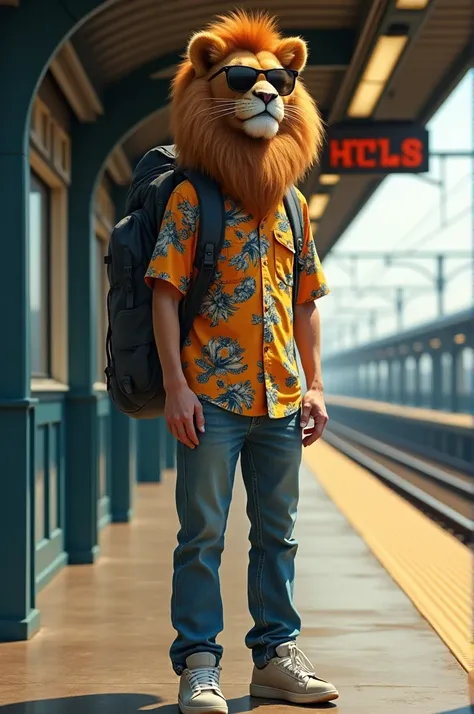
(103, 646)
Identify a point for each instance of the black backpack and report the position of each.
(133, 373)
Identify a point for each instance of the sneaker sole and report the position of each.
(261, 692)
(188, 709)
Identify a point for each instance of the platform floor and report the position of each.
(103, 646)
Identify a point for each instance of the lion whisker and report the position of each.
(294, 115)
(294, 110)
(216, 110)
(214, 118)
(222, 100)
(219, 115)
(219, 108)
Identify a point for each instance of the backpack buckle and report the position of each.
(208, 260)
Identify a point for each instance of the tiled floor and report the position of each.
(103, 646)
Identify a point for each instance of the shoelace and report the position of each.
(298, 664)
(204, 678)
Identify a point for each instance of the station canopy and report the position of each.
(372, 63)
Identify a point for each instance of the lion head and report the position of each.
(240, 111)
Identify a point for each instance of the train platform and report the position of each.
(404, 411)
(443, 437)
(103, 646)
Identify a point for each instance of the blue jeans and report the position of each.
(270, 451)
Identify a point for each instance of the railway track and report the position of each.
(445, 495)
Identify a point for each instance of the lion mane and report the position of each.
(256, 172)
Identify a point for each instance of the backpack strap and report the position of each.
(209, 245)
(295, 217)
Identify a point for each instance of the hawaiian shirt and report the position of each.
(240, 353)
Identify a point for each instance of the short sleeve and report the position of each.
(173, 256)
(312, 284)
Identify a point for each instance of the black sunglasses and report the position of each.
(241, 79)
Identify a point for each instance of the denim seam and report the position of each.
(255, 423)
(261, 558)
(179, 668)
(186, 500)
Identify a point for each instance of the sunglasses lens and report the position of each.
(241, 79)
(282, 80)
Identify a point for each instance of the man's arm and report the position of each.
(182, 406)
(307, 331)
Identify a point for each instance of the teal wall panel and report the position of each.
(19, 618)
(123, 460)
(48, 447)
(56, 478)
(151, 448)
(82, 493)
(40, 477)
(50, 409)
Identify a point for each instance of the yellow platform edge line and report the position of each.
(410, 547)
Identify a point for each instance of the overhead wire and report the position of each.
(381, 270)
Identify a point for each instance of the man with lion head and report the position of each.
(241, 114)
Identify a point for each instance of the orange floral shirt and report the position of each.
(240, 353)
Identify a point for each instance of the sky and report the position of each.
(404, 214)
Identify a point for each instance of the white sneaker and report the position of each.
(199, 690)
(290, 676)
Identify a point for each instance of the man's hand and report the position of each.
(182, 410)
(313, 406)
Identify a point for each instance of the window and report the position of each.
(40, 321)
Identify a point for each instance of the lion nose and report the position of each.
(266, 97)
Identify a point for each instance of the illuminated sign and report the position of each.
(375, 148)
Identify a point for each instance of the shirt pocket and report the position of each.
(230, 277)
(229, 272)
(284, 252)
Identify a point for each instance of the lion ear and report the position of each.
(292, 53)
(204, 51)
